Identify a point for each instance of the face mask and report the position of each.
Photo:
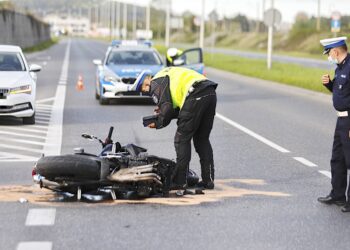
(332, 61)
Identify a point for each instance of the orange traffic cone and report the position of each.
(80, 84)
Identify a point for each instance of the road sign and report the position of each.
(336, 15)
(272, 17)
(335, 22)
(335, 25)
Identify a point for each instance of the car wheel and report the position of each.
(97, 96)
(104, 101)
(29, 120)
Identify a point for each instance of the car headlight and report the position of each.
(112, 79)
(25, 89)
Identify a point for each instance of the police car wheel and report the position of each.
(97, 96)
(104, 101)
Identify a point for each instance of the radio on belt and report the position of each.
(147, 120)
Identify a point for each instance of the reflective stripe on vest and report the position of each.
(180, 80)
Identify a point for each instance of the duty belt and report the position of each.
(342, 113)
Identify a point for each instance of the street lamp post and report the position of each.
(201, 31)
(167, 24)
(125, 21)
(270, 37)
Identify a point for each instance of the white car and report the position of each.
(17, 84)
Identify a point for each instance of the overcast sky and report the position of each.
(253, 8)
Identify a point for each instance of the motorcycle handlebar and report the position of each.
(110, 133)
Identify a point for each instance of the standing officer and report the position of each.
(336, 50)
(171, 55)
(191, 98)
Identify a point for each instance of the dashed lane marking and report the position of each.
(34, 245)
(305, 161)
(326, 173)
(41, 217)
(252, 134)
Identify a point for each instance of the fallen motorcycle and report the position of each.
(118, 172)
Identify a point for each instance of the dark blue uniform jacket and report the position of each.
(340, 86)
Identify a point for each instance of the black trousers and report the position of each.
(340, 161)
(195, 121)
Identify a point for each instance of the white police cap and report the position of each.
(330, 43)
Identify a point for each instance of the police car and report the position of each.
(125, 60)
(17, 84)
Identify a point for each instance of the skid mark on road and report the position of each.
(224, 189)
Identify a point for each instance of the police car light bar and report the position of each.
(117, 43)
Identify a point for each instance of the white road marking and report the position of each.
(44, 106)
(46, 100)
(326, 173)
(41, 217)
(38, 126)
(35, 245)
(305, 161)
(252, 134)
(54, 135)
(20, 148)
(13, 155)
(26, 141)
(42, 122)
(25, 129)
(46, 114)
(22, 135)
(43, 111)
(43, 119)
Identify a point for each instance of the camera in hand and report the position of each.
(147, 120)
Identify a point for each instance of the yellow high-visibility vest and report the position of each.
(180, 80)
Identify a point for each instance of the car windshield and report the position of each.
(11, 61)
(127, 57)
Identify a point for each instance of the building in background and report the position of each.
(68, 25)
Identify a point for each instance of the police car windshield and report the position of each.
(128, 57)
(11, 61)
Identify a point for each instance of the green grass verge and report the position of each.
(286, 73)
(41, 46)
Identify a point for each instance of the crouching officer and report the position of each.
(191, 98)
(336, 50)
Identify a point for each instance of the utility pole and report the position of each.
(125, 21)
(134, 18)
(110, 15)
(257, 17)
(148, 16)
(270, 36)
(318, 24)
(167, 24)
(118, 19)
(201, 30)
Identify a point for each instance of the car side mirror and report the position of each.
(179, 62)
(97, 62)
(34, 68)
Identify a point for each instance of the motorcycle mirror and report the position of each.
(86, 136)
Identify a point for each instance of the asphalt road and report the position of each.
(269, 197)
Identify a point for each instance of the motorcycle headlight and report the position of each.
(24, 89)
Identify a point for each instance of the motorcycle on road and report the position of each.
(118, 172)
